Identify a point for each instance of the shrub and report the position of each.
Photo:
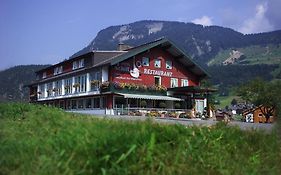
(177, 106)
(153, 114)
(142, 87)
(143, 103)
(172, 114)
(162, 105)
(105, 84)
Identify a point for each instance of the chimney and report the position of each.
(122, 46)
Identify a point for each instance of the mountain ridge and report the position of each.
(201, 42)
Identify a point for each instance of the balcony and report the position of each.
(131, 88)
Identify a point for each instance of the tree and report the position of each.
(234, 102)
(265, 95)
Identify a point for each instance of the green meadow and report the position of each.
(43, 140)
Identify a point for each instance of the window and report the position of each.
(41, 92)
(157, 63)
(95, 78)
(73, 104)
(58, 70)
(44, 75)
(157, 81)
(78, 64)
(184, 82)
(80, 104)
(58, 88)
(81, 63)
(50, 89)
(96, 102)
(103, 102)
(80, 83)
(74, 65)
(169, 64)
(83, 83)
(88, 103)
(68, 86)
(61, 104)
(68, 104)
(174, 82)
(145, 61)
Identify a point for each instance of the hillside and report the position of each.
(254, 54)
(201, 43)
(234, 75)
(12, 82)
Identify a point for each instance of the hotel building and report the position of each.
(100, 82)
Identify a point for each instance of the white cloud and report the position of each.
(273, 13)
(258, 23)
(204, 20)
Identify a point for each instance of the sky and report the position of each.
(49, 31)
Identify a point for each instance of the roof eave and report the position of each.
(130, 53)
(205, 73)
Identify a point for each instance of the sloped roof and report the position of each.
(247, 111)
(106, 54)
(166, 44)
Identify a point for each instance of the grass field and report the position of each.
(44, 140)
(225, 101)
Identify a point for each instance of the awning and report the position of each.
(150, 97)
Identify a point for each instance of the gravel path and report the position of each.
(192, 122)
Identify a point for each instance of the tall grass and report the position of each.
(43, 140)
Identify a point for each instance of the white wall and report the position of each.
(104, 74)
(90, 111)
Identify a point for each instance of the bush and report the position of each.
(177, 106)
(162, 105)
(143, 103)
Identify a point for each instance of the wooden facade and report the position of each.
(257, 116)
(149, 72)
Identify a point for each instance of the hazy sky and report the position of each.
(46, 32)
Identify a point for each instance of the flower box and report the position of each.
(132, 88)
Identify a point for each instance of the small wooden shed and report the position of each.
(255, 115)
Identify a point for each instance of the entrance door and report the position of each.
(199, 106)
(157, 81)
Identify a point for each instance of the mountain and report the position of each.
(202, 43)
(13, 81)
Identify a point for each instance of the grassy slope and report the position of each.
(254, 55)
(41, 140)
(226, 100)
